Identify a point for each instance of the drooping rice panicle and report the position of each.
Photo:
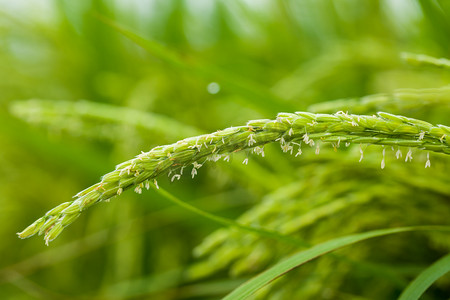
(289, 129)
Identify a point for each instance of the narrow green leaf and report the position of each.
(296, 260)
(228, 222)
(253, 92)
(425, 279)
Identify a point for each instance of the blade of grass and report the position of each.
(275, 235)
(425, 279)
(255, 94)
(305, 256)
(229, 222)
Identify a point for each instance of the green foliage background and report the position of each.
(266, 57)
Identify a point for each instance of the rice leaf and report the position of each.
(300, 258)
(426, 278)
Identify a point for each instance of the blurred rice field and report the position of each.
(85, 85)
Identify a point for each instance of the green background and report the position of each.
(209, 65)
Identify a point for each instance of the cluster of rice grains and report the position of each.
(290, 130)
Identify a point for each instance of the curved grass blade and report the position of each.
(298, 259)
(253, 93)
(425, 279)
(229, 222)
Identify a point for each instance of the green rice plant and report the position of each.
(421, 60)
(290, 130)
(417, 287)
(261, 98)
(149, 85)
(303, 209)
(250, 287)
(301, 83)
(397, 101)
(76, 118)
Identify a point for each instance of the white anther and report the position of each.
(176, 176)
(251, 140)
(362, 153)
(197, 165)
(428, 163)
(408, 156)
(421, 135)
